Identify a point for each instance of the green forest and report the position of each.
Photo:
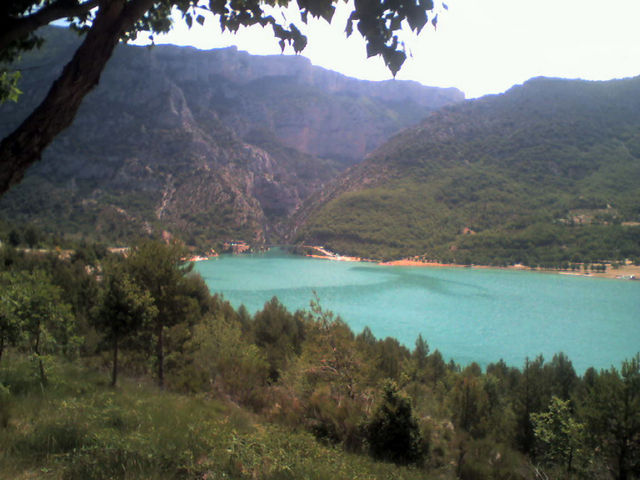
(120, 363)
(545, 174)
(125, 366)
(156, 148)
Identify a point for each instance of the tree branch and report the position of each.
(15, 28)
(57, 111)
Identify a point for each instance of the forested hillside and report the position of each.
(274, 395)
(209, 145)
(546, 174)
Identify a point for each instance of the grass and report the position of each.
(79, 428)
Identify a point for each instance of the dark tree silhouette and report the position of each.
(106, 22)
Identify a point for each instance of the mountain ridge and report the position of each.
(531, 158)
(209, 145)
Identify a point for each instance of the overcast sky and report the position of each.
(480, 46)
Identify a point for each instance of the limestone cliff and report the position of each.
(210, 145)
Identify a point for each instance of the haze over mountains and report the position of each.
(209, 145)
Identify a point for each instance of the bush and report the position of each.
(393, 433)
(54, 438)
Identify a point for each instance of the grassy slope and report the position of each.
(78, 428)
(513, 168)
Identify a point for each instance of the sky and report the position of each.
(480, 46)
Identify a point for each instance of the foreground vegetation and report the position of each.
(126, 367)
(78, 428)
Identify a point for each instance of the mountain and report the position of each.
(209, 145)
(547, 173)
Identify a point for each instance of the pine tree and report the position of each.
(393, 432)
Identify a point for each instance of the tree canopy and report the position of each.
(31, 307)
(125, 308)
(107, 22)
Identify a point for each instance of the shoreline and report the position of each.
(624, 272)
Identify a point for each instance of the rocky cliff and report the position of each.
(209, 145)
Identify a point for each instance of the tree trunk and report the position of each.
(1, 347)
(460, 463)
(160, 357)
(36, 350)
(57, 111)
(114, 373)
(622, 460)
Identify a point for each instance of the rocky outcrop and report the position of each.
(210, 145)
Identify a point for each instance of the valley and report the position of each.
(208, 146)
(217, 270)
(544, 175)
(220, 146)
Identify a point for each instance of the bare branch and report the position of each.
(56, 112)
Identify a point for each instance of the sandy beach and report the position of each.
(623, 272)
(325, 254)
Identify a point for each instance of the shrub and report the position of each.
(393, 433)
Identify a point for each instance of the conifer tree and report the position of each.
(393, 432)
(125, 309)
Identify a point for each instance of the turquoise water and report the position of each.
(479, 315)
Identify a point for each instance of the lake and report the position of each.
(479, 315)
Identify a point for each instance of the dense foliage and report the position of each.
(244, 396)
(546, 174)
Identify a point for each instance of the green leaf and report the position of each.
(299, 43)
(8, 86)
(218, 6)
(327, 14)
(417, 19)
(394, 60)
(349, 28)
